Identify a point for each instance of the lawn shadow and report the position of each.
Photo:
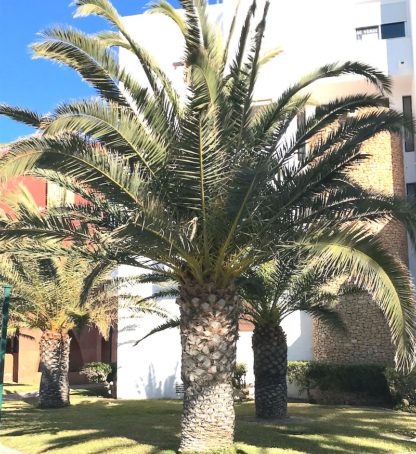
(323, 430)
(312, 429)
(154, 423)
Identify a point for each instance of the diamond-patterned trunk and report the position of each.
(54, 366)
(270, 368)
(209, 331)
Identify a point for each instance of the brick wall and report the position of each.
(368, 339)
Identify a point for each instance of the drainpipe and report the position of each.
(3, 340)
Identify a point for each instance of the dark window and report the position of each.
(411, 191)
(409, 138)
(365, 33)
(12, 344)
(393, 30)
(301, 120)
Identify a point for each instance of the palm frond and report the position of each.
(169, 324)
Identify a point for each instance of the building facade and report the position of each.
(381, 33)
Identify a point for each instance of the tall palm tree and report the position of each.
(207, 185)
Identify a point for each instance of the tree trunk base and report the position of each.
(54, 358)
(209, 331)
(271, 401)
(208, 419)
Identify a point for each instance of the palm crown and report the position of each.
(47, 294)
(208, 185)
(292, 282)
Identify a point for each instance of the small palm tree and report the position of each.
(47, 295)
(205, 185)
(59, 293)
(270, 293)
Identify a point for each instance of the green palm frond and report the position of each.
(22, 115)
(169, 324)
(99, 67)
(165, 8)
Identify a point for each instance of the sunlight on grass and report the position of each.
(96, 425)
(11, 388)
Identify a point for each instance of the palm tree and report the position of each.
(206, 186)
(47, 295)
(273, 291)
(54, 295)
(59, 293)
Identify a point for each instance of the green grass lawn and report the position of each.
(11, 388)
(96, 425)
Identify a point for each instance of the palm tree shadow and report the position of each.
(88, 421)
(328, 433)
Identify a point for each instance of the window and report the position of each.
(385, 31)
(393, 30)
(367, 33)
(385, 102)
(409, 138)
(12, 344)
(180, 65)
(411, 191)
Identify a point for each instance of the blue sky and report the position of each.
(39, 84)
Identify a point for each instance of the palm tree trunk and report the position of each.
(209, 332)
(54, 365)
(270, 368)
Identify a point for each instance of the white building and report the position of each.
(310, 33)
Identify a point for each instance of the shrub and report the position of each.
(355, 378)
(368, 379)
(402, 389)
(239, 375)
(96, 372)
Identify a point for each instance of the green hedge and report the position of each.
(402, 389)
(360, 378)
(370, 379)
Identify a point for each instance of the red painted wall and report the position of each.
(38, 189)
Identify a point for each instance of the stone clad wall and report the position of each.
(367, 339)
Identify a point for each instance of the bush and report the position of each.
(402, 389)
(96, 372)
(369, 379)
(372, 380)
(240, 372)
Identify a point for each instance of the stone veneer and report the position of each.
(368, 339)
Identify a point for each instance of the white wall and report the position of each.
(151, 369)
